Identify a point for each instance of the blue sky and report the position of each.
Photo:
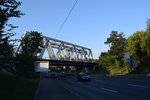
(90, 23)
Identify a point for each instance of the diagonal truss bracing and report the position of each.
(61, 50)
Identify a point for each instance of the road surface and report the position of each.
(70, 89)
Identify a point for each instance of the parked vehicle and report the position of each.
(83, 77)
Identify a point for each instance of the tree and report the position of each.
(112, 61)
(117, 43)
(148, 37)
(8, 9)
(137, 45)
(148, 25)
(24, 66)
(31, 45)
(103, 54)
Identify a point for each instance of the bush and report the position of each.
(112, 65)
(16, 89)
(25, 66)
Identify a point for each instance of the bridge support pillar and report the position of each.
(90, 69)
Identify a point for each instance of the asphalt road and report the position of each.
(71, 89)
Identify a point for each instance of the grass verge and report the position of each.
(17, 89)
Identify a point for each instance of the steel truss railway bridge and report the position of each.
(61, 53)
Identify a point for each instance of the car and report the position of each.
(53, 75)
(63, 74)
(83, 77)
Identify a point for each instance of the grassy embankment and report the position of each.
(123, 70)
(17, 89)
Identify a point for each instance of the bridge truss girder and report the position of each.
(60, 50)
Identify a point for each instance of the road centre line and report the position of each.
(109, 90)
(138, 86)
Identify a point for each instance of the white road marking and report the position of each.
(138, 86)
(109, 90)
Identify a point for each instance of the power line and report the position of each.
(65, 20)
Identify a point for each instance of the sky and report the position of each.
(89, 24)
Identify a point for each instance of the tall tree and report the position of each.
(8, 9)
(148, 25)
(32, 43)
(137, 45)
(148, 37)
(117, 43)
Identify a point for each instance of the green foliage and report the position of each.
(148, 25)
(137, 45)
(147, 42)
(117, 44)
(25, 66)
(107, 60)
(7, 64)
(8, 9)
(32, 43)
(14, 89)
(112, 65)
(145, 65)
(103, 54)
(147, 38)
(112, 61)
(6, 49)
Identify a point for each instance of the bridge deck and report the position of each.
(68, 63)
